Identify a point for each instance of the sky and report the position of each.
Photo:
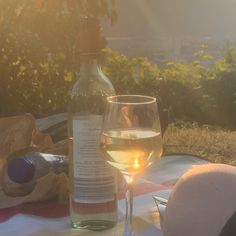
(145, 18)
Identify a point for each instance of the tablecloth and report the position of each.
(52, 220)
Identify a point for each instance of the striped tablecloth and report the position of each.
(51, 219)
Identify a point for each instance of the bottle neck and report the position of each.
(89, 65)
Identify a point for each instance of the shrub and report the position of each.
(39, 52)
(39, 61)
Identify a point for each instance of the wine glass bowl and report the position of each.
(131, 139)
(131, 151)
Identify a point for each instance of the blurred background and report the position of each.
(181, 52)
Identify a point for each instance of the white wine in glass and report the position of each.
(131, 140)
(131, 150)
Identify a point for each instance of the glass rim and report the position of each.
(149, 99)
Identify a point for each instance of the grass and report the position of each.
(213, 144)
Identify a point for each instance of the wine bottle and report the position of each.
(24, 167)
(93, 202)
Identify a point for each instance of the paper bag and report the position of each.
(20, 132)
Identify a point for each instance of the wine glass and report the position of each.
(131, 140)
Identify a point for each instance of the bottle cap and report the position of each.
(20, 170)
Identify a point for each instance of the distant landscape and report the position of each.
(162, 30)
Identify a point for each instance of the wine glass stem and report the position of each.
(129, 209)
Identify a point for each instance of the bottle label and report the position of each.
(94, 180)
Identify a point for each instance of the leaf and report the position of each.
(68, 76)
(18, 10)
(22, 68)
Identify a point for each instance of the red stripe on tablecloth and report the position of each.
(48, 209)
(7, 213)
(52, 209)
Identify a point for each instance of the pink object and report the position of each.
(201, 202)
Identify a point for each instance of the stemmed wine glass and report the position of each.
(131, 140)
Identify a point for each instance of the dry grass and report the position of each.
(215, 145)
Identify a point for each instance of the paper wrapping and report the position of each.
(20, 132)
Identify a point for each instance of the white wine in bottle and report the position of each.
(93, 202)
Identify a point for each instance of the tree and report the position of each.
(39, 51)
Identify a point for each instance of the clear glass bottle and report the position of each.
(93, 202)
(24, 167)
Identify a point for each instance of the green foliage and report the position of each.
(39, 61)
(39, 51)
(192, 92)
(77, 8)
(222, 90)
(131, 75)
